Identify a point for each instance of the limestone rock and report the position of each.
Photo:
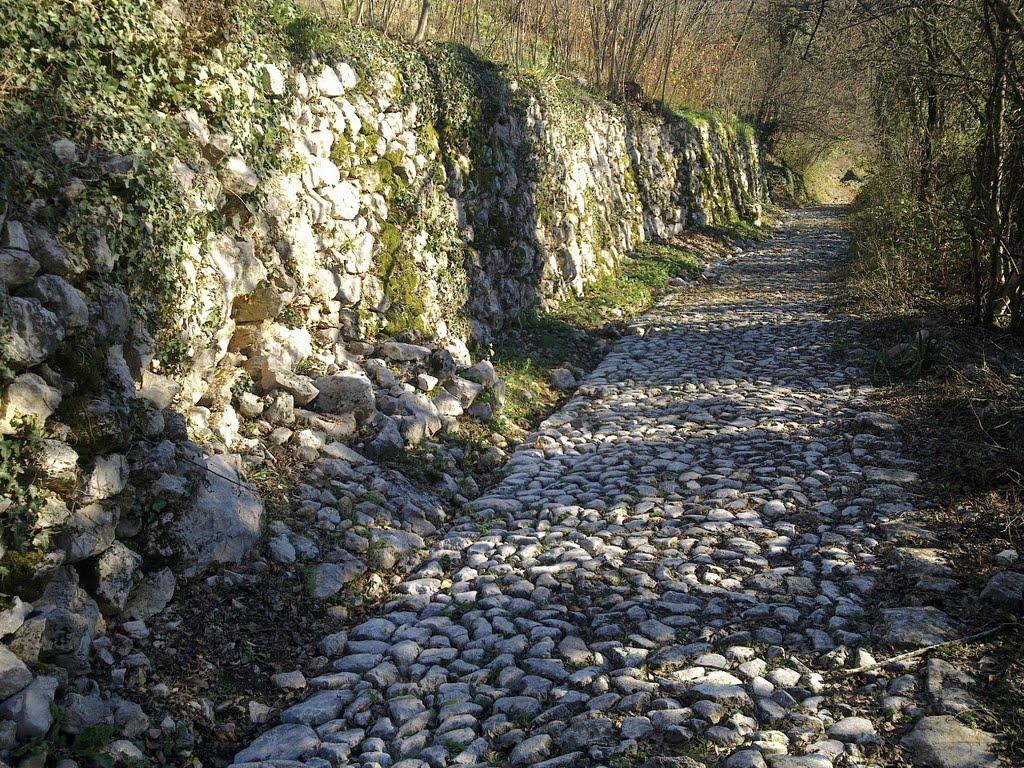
(913, 627)
(482, 373)
(110, 315)
(159, 390)
(71, 618)
(53, 257)
(95, 426)
(331, 577)
(465, 390)
(272, 80)
(881, 423)
(240, 269)
(330, 84)
(263, 303)
(12, 617)
(14, 675)
(101, 258)
(31, 708)
(34, 334)
(64, 300)
(944, 742)
(89, 531)
(111, 577)
(58, 465)
(290, 741)
(563, 379)
(531, 751)
(396, 350)
(13, 236)
(855, 730)
(237, 177)
(16, 267)
(1005, 589)
(346, 393)
(151, 595)
(27, 397)
(86, 711)
(301, 388)
(65, 150)
(223, 518)
(109, 477)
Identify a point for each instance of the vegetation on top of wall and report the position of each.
(111, 77)
(703, 118)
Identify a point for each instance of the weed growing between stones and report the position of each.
(20, 499)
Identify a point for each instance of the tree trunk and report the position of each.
(421, 29)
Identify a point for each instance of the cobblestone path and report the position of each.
(675, 565)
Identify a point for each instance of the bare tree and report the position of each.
(421, 27)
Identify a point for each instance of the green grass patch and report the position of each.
(638, 282)
(574, 334)
(739, 229)
(700, 117)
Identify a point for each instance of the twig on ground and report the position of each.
(929, 648)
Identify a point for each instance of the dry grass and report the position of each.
(960, 400)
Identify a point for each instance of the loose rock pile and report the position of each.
(124, 491)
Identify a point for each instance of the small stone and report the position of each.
(14, 675)
(562, 378)
(531, 751)
(331, 577)
(1005, 589)
(318, 708)
(880, 423)
(281, 549)
(745, 758)
(802, 761)
(124, 752)
(84, 712)
(855, 730)
(289, 681)
(31, 708)
(65, 150)
(636, 728)
(259, 713)
(290, 741)
(913, 627)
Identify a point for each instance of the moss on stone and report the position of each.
(23, 573)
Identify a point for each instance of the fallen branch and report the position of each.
(929, 648)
